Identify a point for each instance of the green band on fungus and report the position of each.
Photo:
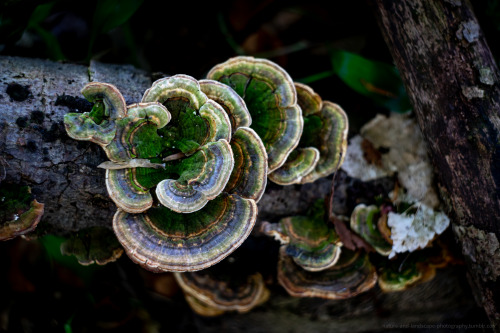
(323, 143)
(170, 161)
(364, 221)
(309, 240)
(271, 99)
(163, 240)
(352, 275)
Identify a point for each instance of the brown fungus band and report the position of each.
(183, 206)
(211, 294)
(350, 276)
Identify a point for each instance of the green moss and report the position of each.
(14, 200)
(98, 112)
(186, 131)
(180, 224)
(236, 81)
(312, 126)
(261, 102)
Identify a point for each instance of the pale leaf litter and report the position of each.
(406, 154)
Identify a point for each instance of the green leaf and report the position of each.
(40, 13)
(52, 245)
(51, 42)
(376, 80)
(111, 13)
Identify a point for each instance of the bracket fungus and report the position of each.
(211, 294)
(398, 275)
(371, 225)
(271, 99)
(20, 212)
(93, 245)
(323, 143)
(311, 242)
(182, 205)
(350, 276)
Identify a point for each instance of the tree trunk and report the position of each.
(453, 83)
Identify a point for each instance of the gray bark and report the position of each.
(61, 172)
(453, 83)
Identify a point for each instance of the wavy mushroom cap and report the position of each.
(323, 143)
(352, 275)
(271, 99)
(232, 103)
(211, 294)
(366, 221)
(249, 176)
(311, 242)
(97, 126)
(182, 204)
(163, 240)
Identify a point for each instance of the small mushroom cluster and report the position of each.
(184, 170)
(305, 137)
(313, 262)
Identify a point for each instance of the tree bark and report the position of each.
(60, 171)
(453, 83)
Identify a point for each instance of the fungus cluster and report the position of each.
(305, 137)
(312, 261)
(188, 163)
(211, 293)
(183, 171)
